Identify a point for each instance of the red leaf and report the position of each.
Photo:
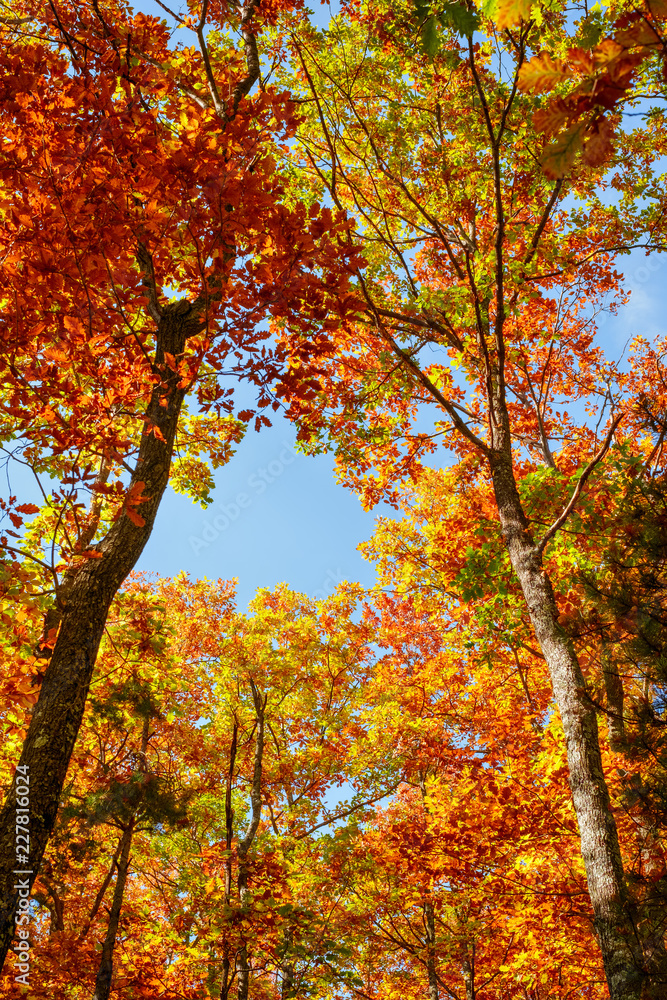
(134, 517)
(599, 147)
(27, 508)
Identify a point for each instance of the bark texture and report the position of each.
(105, 970)
(88, 592)
(613, 685)
(614, 924)
(287, 969)
(227, 975)
(469, 978)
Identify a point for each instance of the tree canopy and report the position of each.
(401, 230)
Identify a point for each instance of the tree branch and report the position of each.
(146, 264)
(348, 812)
(560, 521)
(244, 86)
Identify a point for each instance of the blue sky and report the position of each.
(277, 516)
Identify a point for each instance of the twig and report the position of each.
(348, 812)
(210, 78)
(560, 521)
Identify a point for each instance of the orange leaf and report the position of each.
(542, 73)
(599, 147)
(27, 508)
(554, 117)
(606, 52)
(134, 517)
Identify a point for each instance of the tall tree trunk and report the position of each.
(243, 960)
(243, 963)
(226, 982)
(617, 935)
(651, 906)
(469, 976)
(88, 592)
(619, 943)
(287, 967)
(429, 916)
(431, 968)
(100, 895)
(54, 904)
(613, 685)
(105, 970)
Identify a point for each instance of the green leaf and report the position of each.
(457, 16)
(560, 155)
(591, 29)
(430, 38)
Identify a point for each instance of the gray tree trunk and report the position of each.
(431, 967)
(613, 685)
(614, 924)
(89, 591)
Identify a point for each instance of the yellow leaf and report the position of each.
(510, 12)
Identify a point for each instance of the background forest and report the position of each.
(404, 232)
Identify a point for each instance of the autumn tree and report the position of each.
(495, 839)
(145, 239)
(620, 622)
(253, 721)
(479, 297)
(289, 684)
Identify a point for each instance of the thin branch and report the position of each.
(210, 78)
(427, 324)
(176, 17)
(100, 895)
(348, 812)
(426, 382)
(560, 521)
(542, 223)
(332, 150)
(40, 562)
(256, 787)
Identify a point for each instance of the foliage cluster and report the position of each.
(403, 230)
